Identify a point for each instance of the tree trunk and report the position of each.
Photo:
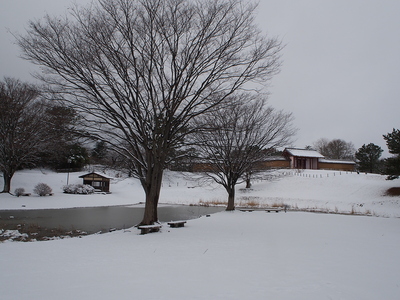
(248, 179)
(152, 188)
(7, 182)
(231, 198)
(248, 183)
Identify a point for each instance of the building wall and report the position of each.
(265, 165)
(336, 166)
(293, 163)
(303, 162)
(201, 167)
(312, 163)
(274, 164)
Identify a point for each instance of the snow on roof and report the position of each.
(95, 173)
(337, 161)
(304, 152)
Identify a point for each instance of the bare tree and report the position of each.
(321, 145)
(23, 127)
(140, 71)
(234, 139)
(335, 149)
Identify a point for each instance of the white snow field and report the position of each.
(229, 255)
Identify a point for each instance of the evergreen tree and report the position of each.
(392, 164)
(368, 158)
(99, 152)
(65, 136)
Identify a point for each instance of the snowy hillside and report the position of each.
(311, 190)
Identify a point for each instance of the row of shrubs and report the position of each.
(43, 189)
(40, 189)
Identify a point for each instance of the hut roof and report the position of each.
(337, 161)
(94, 174)
(303, 153)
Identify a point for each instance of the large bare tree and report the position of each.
(335, 149)
(235, 138)
(140, 70)
(23, 127)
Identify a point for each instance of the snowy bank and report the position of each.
(230, 255)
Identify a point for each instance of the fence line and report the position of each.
(332, 174)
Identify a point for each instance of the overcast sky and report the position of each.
(341, 64)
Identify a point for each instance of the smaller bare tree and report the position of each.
(257, 170)
(24, 127)
(233, 139)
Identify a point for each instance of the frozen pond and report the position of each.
(95, 219)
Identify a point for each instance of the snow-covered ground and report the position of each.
(230, 255)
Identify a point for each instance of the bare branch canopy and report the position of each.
(236, 137)
(139, 71)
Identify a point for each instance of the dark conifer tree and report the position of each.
(392, 164)
(368, 158)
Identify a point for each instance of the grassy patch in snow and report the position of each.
(394, 191)
(213, 202)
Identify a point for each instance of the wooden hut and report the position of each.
(311, 159)
(99, 182)
(302, 158)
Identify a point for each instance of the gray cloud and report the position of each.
(341, 70)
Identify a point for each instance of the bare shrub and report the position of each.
(19, 192)
(42, 189)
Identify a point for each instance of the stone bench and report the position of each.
(174, 224)
(247, 209)
(149, 228)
